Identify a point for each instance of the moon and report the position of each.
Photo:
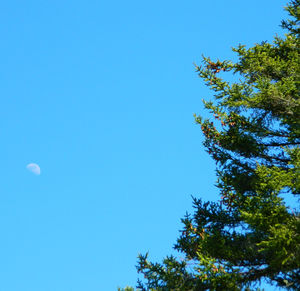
(34, 168)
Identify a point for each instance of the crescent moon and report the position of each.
(34, 168)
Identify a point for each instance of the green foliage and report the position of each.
(254, 136)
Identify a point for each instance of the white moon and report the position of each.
(34, 168)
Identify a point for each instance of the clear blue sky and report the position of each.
(101, 94)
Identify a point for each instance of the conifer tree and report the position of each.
(251, 234)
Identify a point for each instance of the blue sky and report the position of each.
(101, 94)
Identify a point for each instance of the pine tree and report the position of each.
(251, 234)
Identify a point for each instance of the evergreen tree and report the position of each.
(253, 135)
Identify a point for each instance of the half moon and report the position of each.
(34, 168)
